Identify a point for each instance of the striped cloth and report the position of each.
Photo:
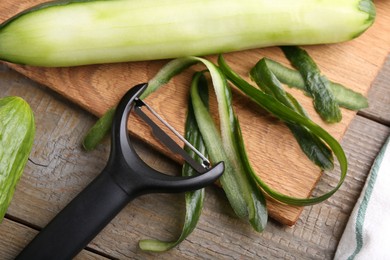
(367, 234)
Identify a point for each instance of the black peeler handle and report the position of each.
(80, 221)
(125, 177)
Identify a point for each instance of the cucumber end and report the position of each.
(368, 7)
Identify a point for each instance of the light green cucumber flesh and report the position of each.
(70, 33)
(17, 130)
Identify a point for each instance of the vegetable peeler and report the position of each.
(124, 178)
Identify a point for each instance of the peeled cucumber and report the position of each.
(17, 130)
(80, 32)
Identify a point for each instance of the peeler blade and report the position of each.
(161, 135)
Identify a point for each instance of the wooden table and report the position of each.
(60, 168)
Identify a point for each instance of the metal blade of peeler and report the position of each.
(169, 142)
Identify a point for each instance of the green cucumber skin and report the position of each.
(80, 32)
(17, 131)
(316, 150)
(344, 96)
(316, 84)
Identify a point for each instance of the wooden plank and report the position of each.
(44, 190)
(219, 232)
(15, 236)
(380, 109)
(96, 88)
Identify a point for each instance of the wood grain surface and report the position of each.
(355, 64)
(19, 235)
(59, 169)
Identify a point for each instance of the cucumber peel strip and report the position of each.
(344, 96)
(316, 150)
(284, 113)
(194, 200)
(316, 84)
(99, 130)
(244, 196)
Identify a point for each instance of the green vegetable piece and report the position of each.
(316, 85)
(102, 127)
(244, 196)
(17, 131)
(311, 145)
(194, 200)
(99, 130)
(108, 31)
(344, 96)
(286, 114)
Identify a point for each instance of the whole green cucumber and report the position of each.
(79, 32)
(17, 130)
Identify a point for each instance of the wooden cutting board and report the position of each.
(272, 149)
